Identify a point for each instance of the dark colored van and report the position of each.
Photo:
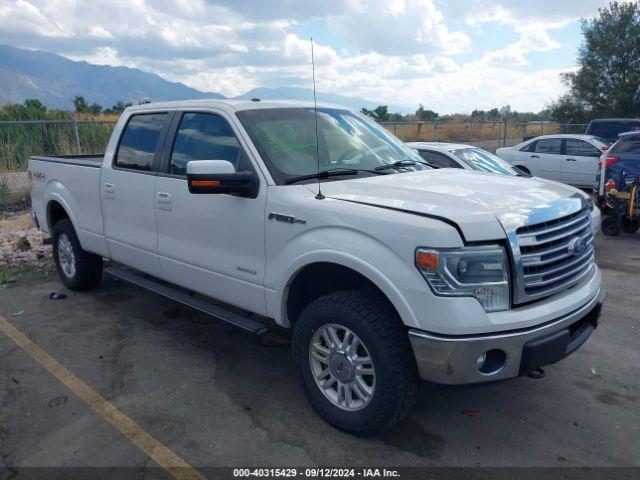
(609, 128)
(622, 161)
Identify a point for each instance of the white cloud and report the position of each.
(532, 39)
(23, 17)
(398, 27)
(399, 52)
(97, 31)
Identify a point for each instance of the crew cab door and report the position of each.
(128, 192)
(210, 243)
(581, 162)
(544, 158)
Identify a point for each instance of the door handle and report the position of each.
(164, 197)
(571, 159)
(109, 191)
(164, 201)
(535, 156)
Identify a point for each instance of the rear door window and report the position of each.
(139, 141)
(206, 136)
(551, 146)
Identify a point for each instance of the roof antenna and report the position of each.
(319, 196)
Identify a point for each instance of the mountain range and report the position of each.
(55, 80)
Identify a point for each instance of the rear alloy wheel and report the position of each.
(77, 268)
(66, 257)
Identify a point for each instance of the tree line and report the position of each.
(381, 114)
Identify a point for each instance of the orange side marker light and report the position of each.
(427, 260)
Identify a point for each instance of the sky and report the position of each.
(450, 55)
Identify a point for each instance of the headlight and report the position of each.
(481, 272)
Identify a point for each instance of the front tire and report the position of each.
(354, 361)
(78, 269)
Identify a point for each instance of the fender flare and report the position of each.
(358, 265)
(54, 196)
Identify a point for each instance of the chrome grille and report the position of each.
(553, 255)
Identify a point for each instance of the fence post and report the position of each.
(504, 135)
(541, 128)
(75, 129)
(435, 128)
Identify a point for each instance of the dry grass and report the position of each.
(19, 222)
(468, 132)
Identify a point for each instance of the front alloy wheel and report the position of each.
(342, 367)
(354, 361)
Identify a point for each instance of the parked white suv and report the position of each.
(570, 159)
(384, 270)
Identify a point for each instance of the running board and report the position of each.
(216, 311)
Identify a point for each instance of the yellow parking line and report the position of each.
(164, 457)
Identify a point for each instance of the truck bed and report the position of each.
(72, 181)
(87, 160)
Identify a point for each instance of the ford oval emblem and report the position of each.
(577, 245)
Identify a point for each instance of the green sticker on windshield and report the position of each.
(281, 137)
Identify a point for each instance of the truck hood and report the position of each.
(479, 204)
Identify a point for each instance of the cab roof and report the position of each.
(231, 105)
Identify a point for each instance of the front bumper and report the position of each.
(452, 360)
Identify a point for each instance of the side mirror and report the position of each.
(220, 176)
(521, 172)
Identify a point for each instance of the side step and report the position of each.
(216, 311)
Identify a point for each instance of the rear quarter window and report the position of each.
(627, 145)
(139, 141)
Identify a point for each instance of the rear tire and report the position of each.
(375, 401)
(630, 225)
(611, 226)
(78, 269)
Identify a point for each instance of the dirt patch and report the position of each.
(22, 245)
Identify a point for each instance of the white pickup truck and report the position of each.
(384, 269)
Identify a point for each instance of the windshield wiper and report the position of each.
(334, 172)
(321, 175)
(403, 163)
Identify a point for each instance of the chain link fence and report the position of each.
(488, 135)
(21, 139)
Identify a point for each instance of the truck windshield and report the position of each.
(286, 141)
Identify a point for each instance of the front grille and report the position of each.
(547, 262)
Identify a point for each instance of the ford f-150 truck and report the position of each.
(385, 270)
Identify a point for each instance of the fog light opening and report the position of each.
(491, 361)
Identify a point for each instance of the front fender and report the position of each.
(385, 268)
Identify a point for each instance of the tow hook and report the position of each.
(538, 373)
